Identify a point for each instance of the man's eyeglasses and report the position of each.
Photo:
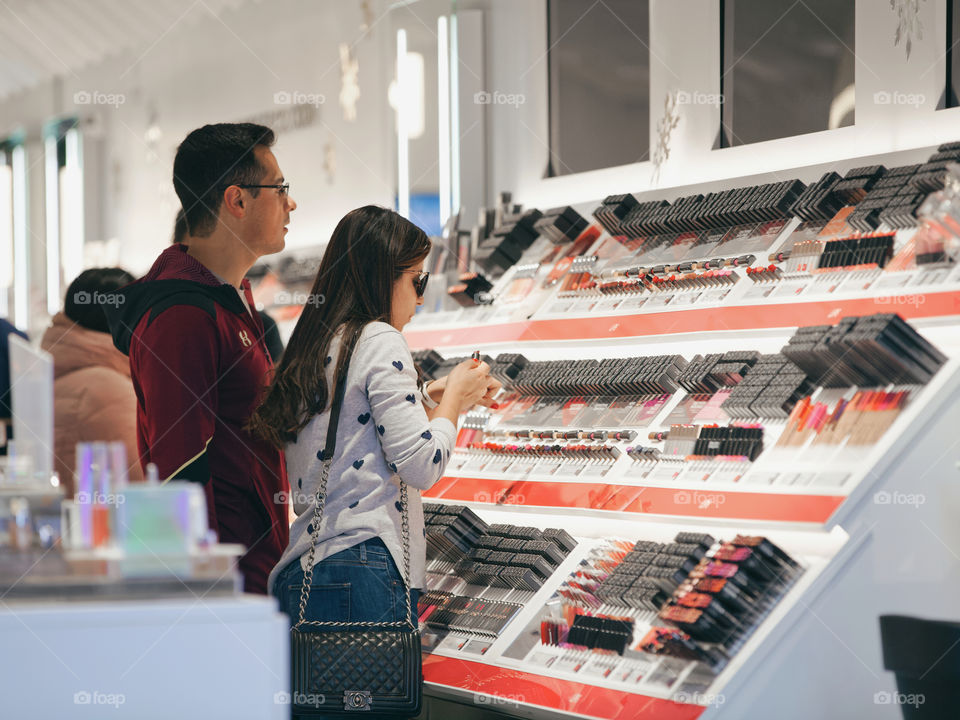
(420, 283)
(283, 189)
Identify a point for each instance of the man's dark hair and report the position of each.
(179, 227)
(87, 295)
(209, 160)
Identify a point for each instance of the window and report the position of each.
(14, 247)
(787, 68)
(599, 84)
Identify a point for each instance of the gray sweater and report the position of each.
(383, 435)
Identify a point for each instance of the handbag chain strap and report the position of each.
(318, 514)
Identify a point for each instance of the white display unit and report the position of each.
(875, 528)
(214, 657)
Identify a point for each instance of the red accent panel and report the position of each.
(460, 336)
(741, 317)
(741, 505)
(553, 693)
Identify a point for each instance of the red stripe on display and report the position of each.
(563, 695)
(744, 317)
(775, 507)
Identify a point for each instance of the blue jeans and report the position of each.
(361, 583)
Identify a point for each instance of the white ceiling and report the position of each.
(42, 39)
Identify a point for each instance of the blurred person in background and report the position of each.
(93, 397)
(6, 431)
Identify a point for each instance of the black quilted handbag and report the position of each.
(349, 668)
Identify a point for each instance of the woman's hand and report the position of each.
(468, 384)
(435, 389)
(493, 387)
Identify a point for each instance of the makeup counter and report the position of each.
(110, 599)
(723, 449)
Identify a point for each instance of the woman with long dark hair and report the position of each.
(368, 286)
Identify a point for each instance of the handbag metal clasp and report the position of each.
(356, 699)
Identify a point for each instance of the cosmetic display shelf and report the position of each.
(636, 274)
(890, 548)
(688, 381)
(518, 675)
(776, 313)
(791, 486)
(802, 300)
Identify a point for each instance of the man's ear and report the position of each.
(233, 201)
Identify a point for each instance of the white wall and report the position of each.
(207, 69)
(215, 69)
(684, 55)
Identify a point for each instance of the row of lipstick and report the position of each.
(585, 453)
(444, 611)
(770, 273)
(860, 420)
(665, 283)
(715, 598)
(716, 272)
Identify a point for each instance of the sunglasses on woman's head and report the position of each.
(420, 282)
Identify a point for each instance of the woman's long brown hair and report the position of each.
(367, 252)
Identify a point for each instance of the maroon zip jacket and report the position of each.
(199, 366)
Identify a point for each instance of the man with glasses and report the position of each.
(197, 353)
